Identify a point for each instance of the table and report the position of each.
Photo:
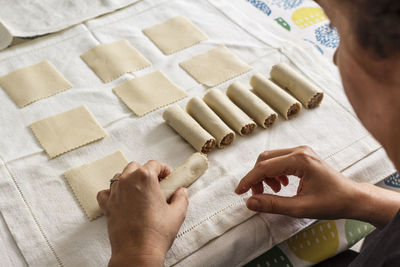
(248, 239)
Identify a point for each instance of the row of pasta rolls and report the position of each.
(213, 120)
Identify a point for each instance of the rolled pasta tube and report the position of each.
(275, 96)
(309, 94)
(183, 176)
(251, 104)
(210, 121)
(229, 112)
(189, 129)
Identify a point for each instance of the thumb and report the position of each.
(290, 206)
(179, 203)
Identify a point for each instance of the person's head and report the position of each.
(368, 59)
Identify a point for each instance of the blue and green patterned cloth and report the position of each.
(303, 17)
(314, 244)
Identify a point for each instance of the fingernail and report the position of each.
(253, 204)
(239, 190)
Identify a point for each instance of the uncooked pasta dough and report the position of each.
(303, 89)
(189, 129)
(111, 60)
(206, 117)
(149, 92)
(251, 104)
(215, 66)
(275, 96)
(32, 83)
(67, 131)
(183, 176)
(175, 34)
(229, 112)
(87, 180)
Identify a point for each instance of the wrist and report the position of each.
(137, 257)
(374, 205)
(354, 204)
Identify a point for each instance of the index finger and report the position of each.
(269, 154)
(283, 165)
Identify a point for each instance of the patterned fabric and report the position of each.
(327, 36)
(393, 181)
(261, 5)
(286, 4)
(303, 17)
(314, 244)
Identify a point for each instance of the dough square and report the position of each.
(175, 34)
(149, 92)
(215, 66)
(32, 83)
(87, 180)
(111, 60)
(67, 131)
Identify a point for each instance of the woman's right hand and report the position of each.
(141, 224)
(323, 192)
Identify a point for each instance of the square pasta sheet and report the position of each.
(67, 131)
(149, 92)
(111, 60)
(32, 83)
(215, 66)
(175, 34)
(87, 180)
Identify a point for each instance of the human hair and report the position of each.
(377, 25)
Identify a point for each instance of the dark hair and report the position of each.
(378, 25)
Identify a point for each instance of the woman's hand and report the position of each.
(323, 192)
(141, 224)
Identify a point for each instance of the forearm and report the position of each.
(375, 205)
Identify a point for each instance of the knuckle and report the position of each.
(263, 156)
(130, 167)
(304, 155)
(306, 149)
(260, 165)
(141, 178)
(152, 161)
(132, 164)
(142, 172)
(273, 205)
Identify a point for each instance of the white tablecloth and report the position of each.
(37, 205)
(25, 18)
